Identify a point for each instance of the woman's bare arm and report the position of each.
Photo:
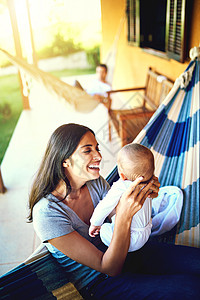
(81, 250)
(111, 262)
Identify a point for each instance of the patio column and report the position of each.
(2, 186)
(34, 56)
(13, 18)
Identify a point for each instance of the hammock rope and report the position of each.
(110, 59)
(77, 98)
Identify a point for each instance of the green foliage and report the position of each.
(72, 72)
(59, 46)
(93, 56)
(10, 109)
(5, 111)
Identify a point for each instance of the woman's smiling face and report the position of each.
(84, 163)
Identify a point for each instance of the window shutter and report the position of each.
(175, 29)
(133, 18)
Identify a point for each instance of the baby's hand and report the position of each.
(94, 230)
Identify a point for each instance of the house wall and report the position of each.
(131, 63)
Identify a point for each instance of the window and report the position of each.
(158, 25)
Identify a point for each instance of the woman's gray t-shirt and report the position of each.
(52, 218)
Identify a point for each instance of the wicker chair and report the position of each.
(129, 122)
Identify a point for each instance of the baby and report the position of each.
(134, 160)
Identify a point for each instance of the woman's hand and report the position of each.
(155, 187)
(133, 199)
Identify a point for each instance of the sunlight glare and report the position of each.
(23, 26)
(79, 20)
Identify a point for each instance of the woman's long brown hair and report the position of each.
(62, 144)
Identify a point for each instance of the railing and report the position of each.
(2, 186)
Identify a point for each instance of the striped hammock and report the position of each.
(173, 135)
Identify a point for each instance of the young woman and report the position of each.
(66, 189)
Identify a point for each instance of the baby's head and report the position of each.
(135, 160)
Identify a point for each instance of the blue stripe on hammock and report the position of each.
(179, 138)
(155, 128)
(190, 216)
(113, 176)
(160, 119)
(175, 137)
(184, 136)
(40, 277)
(174, 167)
(162, 139)
(159, 122)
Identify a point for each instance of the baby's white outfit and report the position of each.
(141, 222)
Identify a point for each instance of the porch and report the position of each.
(22, 159)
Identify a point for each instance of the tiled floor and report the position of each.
(17, 237)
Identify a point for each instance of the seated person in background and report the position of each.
(134, 160)
(99, 86)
